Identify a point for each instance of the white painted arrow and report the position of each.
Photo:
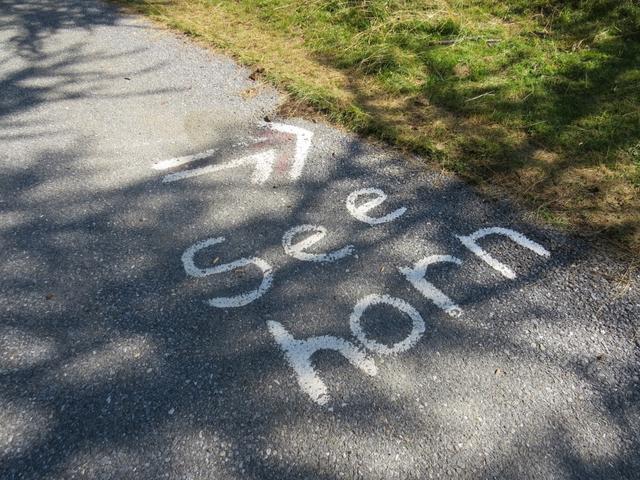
(263, 161)
(176, 162)
(303, 145)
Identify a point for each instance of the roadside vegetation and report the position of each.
(536, 99)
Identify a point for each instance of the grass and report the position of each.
(536, 99)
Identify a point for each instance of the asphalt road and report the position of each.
(244, 314)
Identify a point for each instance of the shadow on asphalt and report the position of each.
(111, 364)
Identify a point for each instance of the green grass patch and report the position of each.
(537, 98)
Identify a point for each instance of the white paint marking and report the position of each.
(264, 161)
(263, 166)
(299, 353)
(176, 162)
(297, 250)
(416, 276)
(417, 329)
(470, 241)
(360, 211)
(227, 302)
(303, 145)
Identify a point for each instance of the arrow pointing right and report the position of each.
(263, 166)
(264, 161)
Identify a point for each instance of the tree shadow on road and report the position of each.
(36, 20)
(125, 368)
(113, 366)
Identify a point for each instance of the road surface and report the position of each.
(188, 291)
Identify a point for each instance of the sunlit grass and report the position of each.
(536, 98)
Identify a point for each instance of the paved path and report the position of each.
(189, 292)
